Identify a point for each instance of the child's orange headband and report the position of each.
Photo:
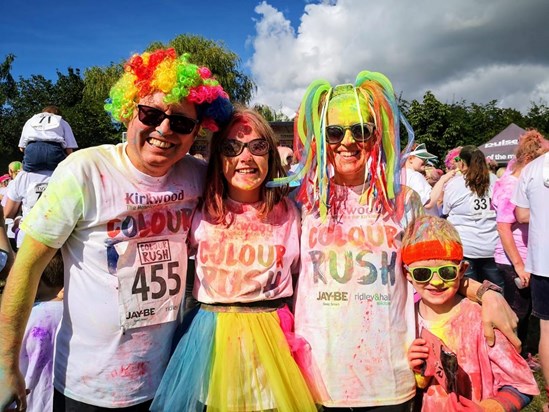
(432, 249)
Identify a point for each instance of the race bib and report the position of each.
(480, 207)
(151, 280)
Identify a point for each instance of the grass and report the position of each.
(532, 346)
(537, 403)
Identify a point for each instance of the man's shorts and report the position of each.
(540, 296)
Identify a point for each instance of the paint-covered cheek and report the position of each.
(228, 168)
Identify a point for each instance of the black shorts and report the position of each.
(540, 296)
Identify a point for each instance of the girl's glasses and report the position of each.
(233, 147)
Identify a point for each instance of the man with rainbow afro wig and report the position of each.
(121, 216)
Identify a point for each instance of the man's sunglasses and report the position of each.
(151, 116)
(424, 274)
(233, 147)
(360, 132)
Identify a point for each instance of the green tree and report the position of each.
(8, 87)
(98, 81)
(430, 121)
(270, 114)
(538, 117)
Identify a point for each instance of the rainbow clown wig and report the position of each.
(374, 95)
(163, 71)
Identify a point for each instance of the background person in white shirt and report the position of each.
(531, 198)
(46, 140)
(413, 176)
(468, 204)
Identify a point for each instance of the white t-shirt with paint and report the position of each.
(473, 217)
(123, 238)
(532, 192)
(354, 305)
(47, 127)
(249, 261)
(27, 188)
(416, 181)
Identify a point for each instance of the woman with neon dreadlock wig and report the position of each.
(353, 304)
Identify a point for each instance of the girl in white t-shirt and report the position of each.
(468, 204)
(236, 354)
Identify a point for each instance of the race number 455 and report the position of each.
(163, 276)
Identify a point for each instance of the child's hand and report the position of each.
(418, 354)
(463, 404)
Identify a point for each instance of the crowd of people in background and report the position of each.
(347, 273)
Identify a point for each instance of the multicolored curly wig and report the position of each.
(163, 71)
(382, 174)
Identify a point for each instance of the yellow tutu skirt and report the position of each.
(233, 359)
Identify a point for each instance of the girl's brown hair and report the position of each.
(477, 176)
(217, 187)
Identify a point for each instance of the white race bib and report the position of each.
(151, 280)
(480, 207)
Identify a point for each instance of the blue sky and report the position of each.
(46, 36)
(471, 50)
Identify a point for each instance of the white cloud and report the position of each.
(459, 49)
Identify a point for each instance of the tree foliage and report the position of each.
(224, 64)
(270, 114)
(443, 126)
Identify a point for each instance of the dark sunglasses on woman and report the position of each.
(233, 147)
(151, 116)
(360, 132)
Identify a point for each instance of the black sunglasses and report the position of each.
(152, 116)
(360, 132)
(233, 147)
(424, 274)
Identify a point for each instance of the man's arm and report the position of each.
(17, 302)
(496, 312)
(522, 214)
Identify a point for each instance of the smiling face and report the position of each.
(437, 296)
(246, 172)
(348, 157)
(154, 150)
